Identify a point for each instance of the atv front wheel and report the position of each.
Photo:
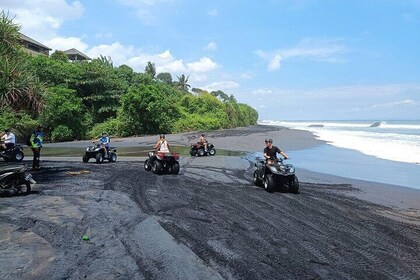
(85, 158)
(112, 157)
(201, 152)
(212, 152)
(156, 167)
(18, 156)
(257, 181)
(147, 165)
(294, 185)
(269, 183)
(99, 158)
(192, 153)
(175, 168)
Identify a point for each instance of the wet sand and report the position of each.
(208, 222)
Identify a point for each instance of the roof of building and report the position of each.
(73, 51)
(23, 37)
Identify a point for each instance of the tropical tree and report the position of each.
(150, 69)
(60, 56)
(106, 61)
(165, 78)
(182, 83)
(19, 88)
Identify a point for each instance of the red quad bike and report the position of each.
(198, 150)
(160, 162)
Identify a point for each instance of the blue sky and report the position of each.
(290, 60)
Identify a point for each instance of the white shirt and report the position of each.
(9, 138)
(164, 147)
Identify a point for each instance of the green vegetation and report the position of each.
(82, 99)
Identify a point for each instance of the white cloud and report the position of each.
(205, 64)
(212, 46)
(41, 19)
(262, 91)
(274, 63)
(309, 49)
(223, 85)
(65, 43)
(118, 52)
(246, 76)
(213, 13)
(145, 10)
(394, 104)
(104, 35)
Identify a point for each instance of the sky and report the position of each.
(290, 60)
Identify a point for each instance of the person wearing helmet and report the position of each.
(202, 140)
(8, 139)
(162, 145)
(104, 142)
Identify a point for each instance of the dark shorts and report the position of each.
(9, 145)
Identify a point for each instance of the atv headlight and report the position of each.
(292, 170)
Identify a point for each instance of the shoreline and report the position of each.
(250, 139)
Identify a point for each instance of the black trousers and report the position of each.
(37, 154)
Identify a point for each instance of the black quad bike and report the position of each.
(98, 153)
(15, 180)
(14, 153)
(160, 162)
(276, 175)
(198, 150)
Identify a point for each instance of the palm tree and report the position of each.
(150, 69)
(182, 83)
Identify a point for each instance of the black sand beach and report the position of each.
(208, 222)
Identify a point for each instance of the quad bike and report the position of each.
(275, 175)
(15, 180)
(198, 150)
(99, 154)
(160, 162)
(14, 153)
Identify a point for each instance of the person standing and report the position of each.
(36, 144)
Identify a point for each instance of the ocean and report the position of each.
(381, 151)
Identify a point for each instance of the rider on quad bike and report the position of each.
(104, 142)
(162, 145)
(162, 160)
(271, 172)
(10, 151)
(270, 152)
(202, 148)
(8, 139)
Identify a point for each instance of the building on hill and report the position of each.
(75, 55)
(33, 47)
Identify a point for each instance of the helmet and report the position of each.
(162, 136)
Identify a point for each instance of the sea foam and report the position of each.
(395, 141)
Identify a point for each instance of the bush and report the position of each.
(111, 127)
(62, 133)
(21, 124)
(63, 107)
